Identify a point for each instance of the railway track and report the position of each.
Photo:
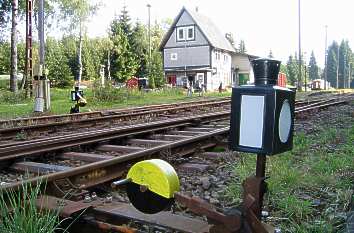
(153, 136)
(75, 163)
(178, 132)
(30, 128)
(111, 118)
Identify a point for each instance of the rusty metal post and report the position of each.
(261, 165)
(260, 173)
(28, 55)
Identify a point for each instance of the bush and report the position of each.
(11, 97)
(109, 93)
(4, 84)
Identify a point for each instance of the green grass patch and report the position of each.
(15, 105)
(311, 186)
(292, 207)
(19, 213)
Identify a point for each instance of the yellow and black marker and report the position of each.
(151, 185)
(78, 96)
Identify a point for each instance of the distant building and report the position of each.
(319, 84)
(195, 50)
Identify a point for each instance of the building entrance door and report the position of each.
(172, 79)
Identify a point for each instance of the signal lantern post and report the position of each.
(262, 122)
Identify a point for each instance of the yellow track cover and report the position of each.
(157, 175)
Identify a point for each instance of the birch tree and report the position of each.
(77, 13)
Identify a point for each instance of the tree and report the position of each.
(13, 71)
(313, 68)
(124, 20)
(5, 9)
(230, 37)
(242, 47)
(106, 46)
(332, 63)
(291, 70)
(156, 71)
(123, 61)
(345, 54)
(270, 55)
(77, 12)
(140, 46)
(5, 48)
(17, 8)
(57, 63)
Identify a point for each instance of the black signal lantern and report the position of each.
(262, 115)
(78, 96)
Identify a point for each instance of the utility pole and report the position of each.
(325, 70)
(299, 83)
(27, 83)
(152, 84)
(337, 82)
(42, 100)
(349, 75)
(14, 42)
(305, 77)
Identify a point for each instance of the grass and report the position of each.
(19, 213)
(310, 187)
(17, 106)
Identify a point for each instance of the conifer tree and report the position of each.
(313, 68)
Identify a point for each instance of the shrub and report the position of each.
(11, 97)
(19, 213)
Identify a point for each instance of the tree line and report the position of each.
(124, 52)
(339, 67)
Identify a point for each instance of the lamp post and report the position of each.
(152, 84)
(337, 81)
(299, 83)
(305, 76)
(325, 70)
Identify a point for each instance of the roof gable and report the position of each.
(212, 34)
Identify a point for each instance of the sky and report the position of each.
(264, 25)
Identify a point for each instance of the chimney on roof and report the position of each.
(196, 9)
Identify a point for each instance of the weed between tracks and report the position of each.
(310, 188)
(19, 213)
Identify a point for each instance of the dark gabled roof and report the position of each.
(207, 27)
(250, 56)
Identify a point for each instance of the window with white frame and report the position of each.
(190, 33)
(185, 33)
(225, 58)
(217, 55)
(180, 34)
(174, 57)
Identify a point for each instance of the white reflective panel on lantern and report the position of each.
(284, 122)
(251, 121)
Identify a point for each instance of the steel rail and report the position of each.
(12, 151)
(107, 118)
(70, 117)
(325, 105)
(115, 161)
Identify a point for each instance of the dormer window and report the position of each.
(190, 33)
(185, 33)
(180, 34)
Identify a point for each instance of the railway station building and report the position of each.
(195, 50)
